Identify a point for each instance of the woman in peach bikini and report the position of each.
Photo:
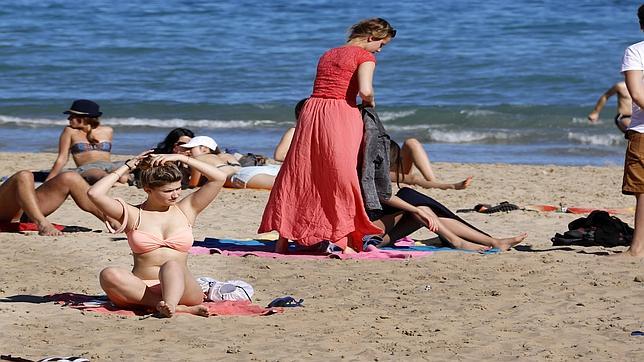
(159, 232)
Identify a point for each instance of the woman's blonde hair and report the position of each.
(378, 28)
(155, 176)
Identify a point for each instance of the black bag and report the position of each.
(251, 159)
(597, 229)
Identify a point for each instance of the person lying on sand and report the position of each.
(18, 194)
(205, 149)
(409, 210)
(159, 232)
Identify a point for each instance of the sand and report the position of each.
(536, 303)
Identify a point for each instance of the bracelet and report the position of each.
(128, 166)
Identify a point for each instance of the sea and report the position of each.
(476, 82)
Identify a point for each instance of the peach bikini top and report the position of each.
(143, 242)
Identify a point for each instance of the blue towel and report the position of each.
(269, 246)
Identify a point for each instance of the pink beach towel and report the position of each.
(100, 304)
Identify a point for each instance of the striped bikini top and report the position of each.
(105, 146)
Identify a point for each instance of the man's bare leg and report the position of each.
(637, 245)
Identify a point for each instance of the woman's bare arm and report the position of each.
(365, 83)
(285, 143)
(64, 143)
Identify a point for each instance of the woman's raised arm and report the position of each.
(197, 201)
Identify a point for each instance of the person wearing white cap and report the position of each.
(204, 148)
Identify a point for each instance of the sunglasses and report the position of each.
(179, 143)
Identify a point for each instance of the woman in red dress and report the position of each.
(316, 195)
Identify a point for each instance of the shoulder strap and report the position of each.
(138, 221)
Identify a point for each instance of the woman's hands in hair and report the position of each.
(134, 162)
(161, 159)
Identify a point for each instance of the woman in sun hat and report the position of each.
(87, 140)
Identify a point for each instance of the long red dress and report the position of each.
(316, 195)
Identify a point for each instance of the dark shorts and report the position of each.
(633, 182)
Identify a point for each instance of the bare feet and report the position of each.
(463, 184)
(628, 254)
(466, 245)
(348, 250)
(200, 310)
(47, 229)
(166, 310)
(507, 243)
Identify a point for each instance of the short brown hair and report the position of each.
(378, 28)
(155, 176)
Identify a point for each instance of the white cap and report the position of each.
(201, 141)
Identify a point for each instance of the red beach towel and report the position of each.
(100, 304)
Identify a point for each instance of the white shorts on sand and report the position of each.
(244, 175)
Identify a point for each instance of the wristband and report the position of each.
(128, 166)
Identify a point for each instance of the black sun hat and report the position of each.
(84, 107)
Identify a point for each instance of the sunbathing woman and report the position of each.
(409, 210)
(89, 143)
(18, 194)
(172, 142)
(205, 149)
(159, 232)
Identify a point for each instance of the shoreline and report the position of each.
(117, 156)
(535, 302)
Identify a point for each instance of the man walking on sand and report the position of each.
(633, 184)
(624, 106)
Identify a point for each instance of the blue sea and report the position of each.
(484, 82)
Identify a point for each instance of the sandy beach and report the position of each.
(537, 302)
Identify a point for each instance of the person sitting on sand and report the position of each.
(403, 161)
(172, 144)
(159, 232)
(624, 106)
(409, 210)
(88, 141)
(205, 149)
(18, 194)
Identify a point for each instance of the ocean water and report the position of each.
(483, 82)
